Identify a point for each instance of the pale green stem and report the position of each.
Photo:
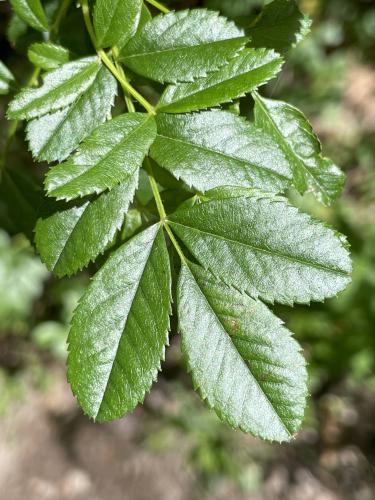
(159, 6)
(161, 209)
(107, 61)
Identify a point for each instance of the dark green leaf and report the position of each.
(279, 26)
(120, 328)
(264, 246)
(116, 21)
(244, 73)
(73, 235)
(54, 136)
(60, 88)
(242, 360)
(31, 11)
(217, 148)
(184, 45)
(112, 154)
(47, 55)
(293, 134)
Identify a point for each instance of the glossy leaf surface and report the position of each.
(73, 235)
(217, 148)
(54, 136)
(293, 134)
(47, 55)
(60, 88)
(246, 72)
(184, 45)
(112, 154)
(116, 21)
(244, 363)
(120, 328)
(264, 246)
(32, 12)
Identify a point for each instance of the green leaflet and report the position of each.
(166, 51)
(279, 26)
(217, 148)
(264, 246)
(60, 88)
(47, 55)
(73, 235)
(243, 361)
(54, 136)
(145, 17)
(244, 73)
(6, 78)
(293, 134)
(116, 21)
(120, 328)
(112, 154)
(31, 11)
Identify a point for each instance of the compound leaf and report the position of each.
(31, 11)
(73, 235)
(54, 136)
(113, 152)
(217, 148)
(184, 45)
(242, 360)
(60, 88)
(262, 245)
(116, 21)
(120, 328)
(293, 134)
(244, 73)
(279, 26)
(47, 55)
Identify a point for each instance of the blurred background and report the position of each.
(173, 447)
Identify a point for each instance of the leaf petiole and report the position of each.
(107, 61)
(159, 6)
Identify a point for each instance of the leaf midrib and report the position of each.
(104, 158)
(184, 47)
(284, 425)
(259, 249)
(226, 156)
(72, 108)
(301, 161)
(200, 90)
(61, 88)
(126, 321)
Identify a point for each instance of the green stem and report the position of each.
(159, 6)
(107, 61)
(128, 100)
(125, 84)
(161, 209)
(155, 190)
(175, 243)
(63, 7)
